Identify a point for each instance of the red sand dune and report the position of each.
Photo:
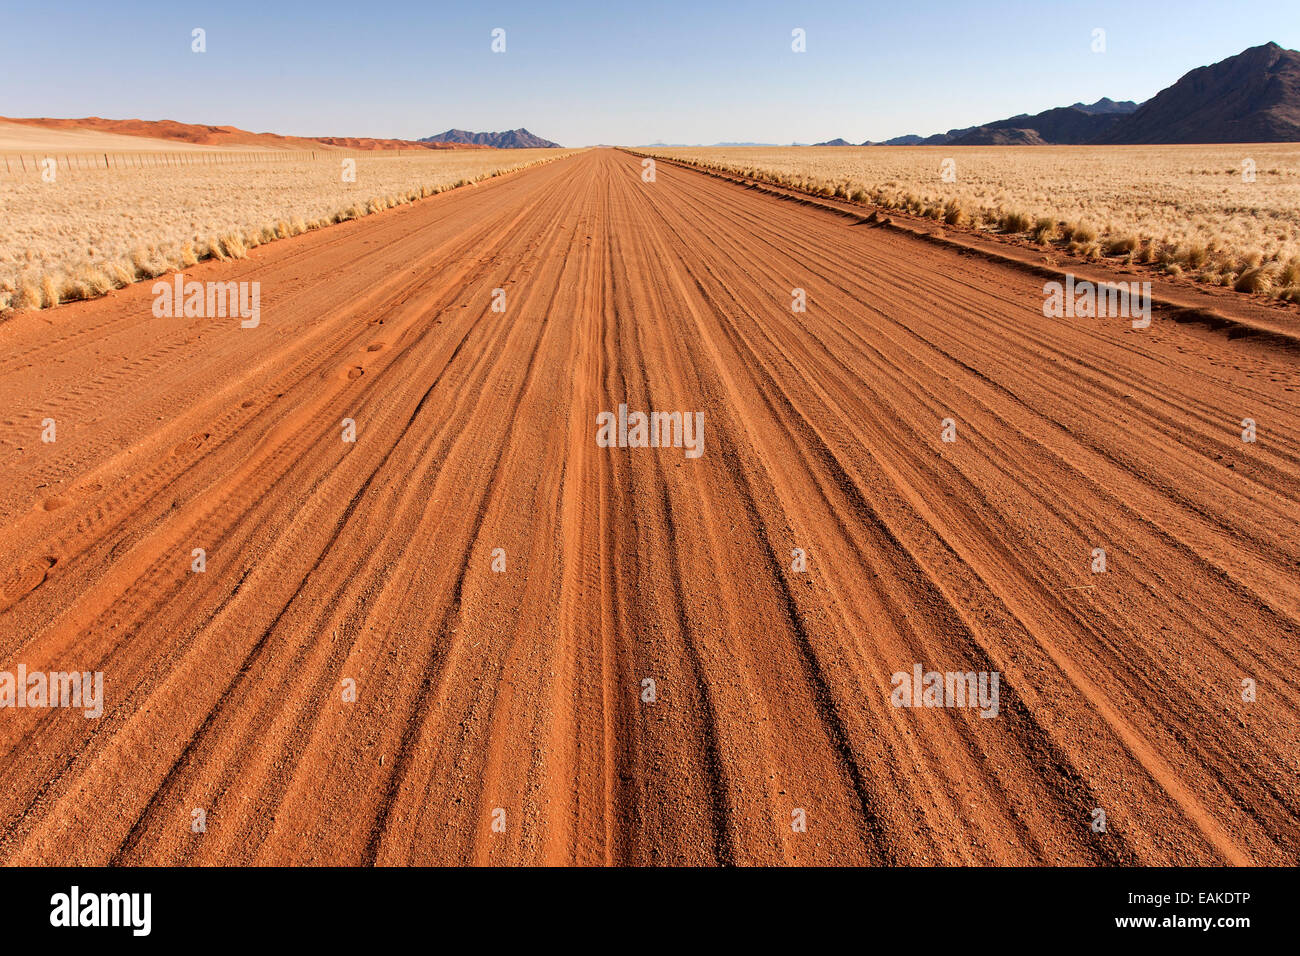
(228, 135)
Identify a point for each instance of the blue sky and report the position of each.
(626, 73)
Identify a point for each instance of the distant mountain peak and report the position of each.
(1253, 97)
(510, 139)
(1105, 105)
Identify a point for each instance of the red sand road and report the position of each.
(523, 690)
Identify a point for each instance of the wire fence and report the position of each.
(27, 164)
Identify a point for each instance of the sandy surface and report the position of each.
(26, 138)
(522, 690)
(96, 134)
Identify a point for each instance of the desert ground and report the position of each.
(566, 652)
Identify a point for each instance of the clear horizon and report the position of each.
(585, 74)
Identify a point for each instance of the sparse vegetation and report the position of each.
(1182, 209)
(1079, 232)
(1014, 222)
(92, 231)
(1258, 279)
(1122, 245)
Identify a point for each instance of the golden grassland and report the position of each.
(91, 231)
(1184, 209)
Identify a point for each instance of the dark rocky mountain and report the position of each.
(1106, 105)
(1253, 97)
(911, 139)
(834, 142)
(1000, 136)
(1066, 125)
(510, 139)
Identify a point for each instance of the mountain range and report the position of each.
(1066, 125)
(510, 139)
(1253, 97)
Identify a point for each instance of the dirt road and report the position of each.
(508, 716)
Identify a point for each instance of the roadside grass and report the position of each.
(1186, 210)
(86, 235)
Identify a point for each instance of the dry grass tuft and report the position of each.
(49, 291)
(234, 246)
(1015, 222)
(29, 295)
(1045, 229)
(122, 274)
(1122, 245)
(1289, 274)
(1080, 232)
(89, 282)
(1254, 280)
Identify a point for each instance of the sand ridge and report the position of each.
(95, 133)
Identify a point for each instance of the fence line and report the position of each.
(30, 164)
